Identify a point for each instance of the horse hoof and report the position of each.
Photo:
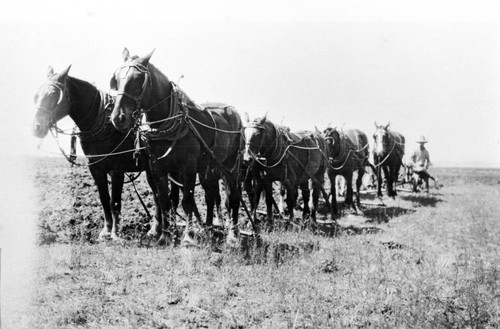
(104, 235)
(114, 236)
(232, 238)
(165, 239)
(189, 242)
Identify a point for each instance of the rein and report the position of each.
(55, 131)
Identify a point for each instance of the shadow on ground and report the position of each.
(384, 214)
(423, 199)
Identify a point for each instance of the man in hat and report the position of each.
(420, 162)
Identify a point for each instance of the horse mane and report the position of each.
(153, 70)
(158, 74)
(80, 83)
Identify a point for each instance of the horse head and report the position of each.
(52, 104)
(254, 134)
(381, 139)
(332, 140)
(132, 83)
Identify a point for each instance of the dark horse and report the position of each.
(388, 151)
(184, 140)
(290, 158)
(347, 152)
(108, 151)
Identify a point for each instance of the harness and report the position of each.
(346, 152)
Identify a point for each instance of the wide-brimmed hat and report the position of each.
(422, 140)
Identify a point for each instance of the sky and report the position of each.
(428, 67)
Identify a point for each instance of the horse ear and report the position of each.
(317, 130)
(264, 118)
(112, 83)
(64, 73)
(125, 54)
(145, 59)
(247, 117)
(387, 127)
(50, 71)
(376, 125)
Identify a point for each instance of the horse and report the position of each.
(347, 152)
(388, 152)
(108, 150)
(290, 158)
(184, 139)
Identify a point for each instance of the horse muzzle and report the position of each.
(40, 130)
(121, 122)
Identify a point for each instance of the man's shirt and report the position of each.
(421, 158)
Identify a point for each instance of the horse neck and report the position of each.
(157, 106)
(84, 102)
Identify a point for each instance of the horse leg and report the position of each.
(291, 201)
(281, 206)
(174, 199)
(116, 200)
(317, 185)
(388, 176)
(211, 187)
(233, 194)
(379, 181)
(333, 192)
(159, 175)
(268, 190)
(359, 182)
(348, 193)
(348, 196)
(395, 175)
(155, 225)
(259, 187)
(188, 203)
(218, 210)
(101, 180)
(304, 187)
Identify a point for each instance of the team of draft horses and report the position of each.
(151, 125)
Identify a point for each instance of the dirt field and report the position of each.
(420, 261)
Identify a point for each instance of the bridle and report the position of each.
(60, 87)
(147, 81)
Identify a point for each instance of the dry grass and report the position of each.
(433, 262)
